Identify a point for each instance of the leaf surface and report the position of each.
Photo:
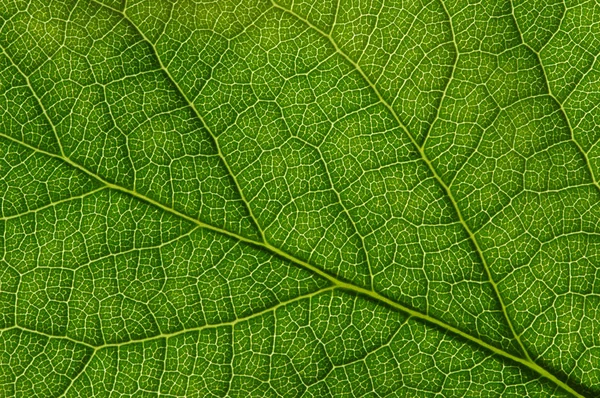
(307, 198)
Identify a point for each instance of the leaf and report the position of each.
(316, 198)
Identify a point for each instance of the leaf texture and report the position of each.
(299, 198)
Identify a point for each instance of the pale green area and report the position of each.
(299, 198)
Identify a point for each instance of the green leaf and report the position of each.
(299, 198)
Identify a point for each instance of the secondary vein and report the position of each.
(420, 149)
